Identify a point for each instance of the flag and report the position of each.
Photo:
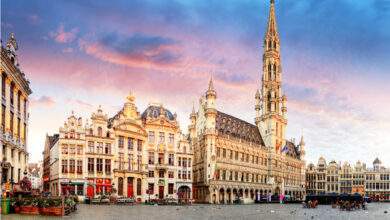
(285, 149)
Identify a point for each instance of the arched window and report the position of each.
(100, 131)
(275, 45)
(120, 186)
(269, 45)
(269, 71)
(274, 70)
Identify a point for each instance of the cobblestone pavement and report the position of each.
(213, 212)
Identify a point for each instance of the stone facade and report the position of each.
(234, 159)
(139, 155)
(347, 179)
(15, 90)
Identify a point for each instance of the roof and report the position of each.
(232, 126)
(53, 140)
(377, 161)
(154, 111)
(292, 150)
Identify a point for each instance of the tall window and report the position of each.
(12, 88)
(91, 165)
(170, 188)
(108, 166)
(100, 131)
(3, 84)
(171, 159)
(150, 188)
(151, 173)
(64, 149)
(189, 162)
(79, 149)
(161, 158)
(121, 141)
(139, 185)
(72, 165)
(72, 149)
(107, 150)
(100, 148)
(19, 95)
(99, 165)
(162, 138)
(151, 158)
(79, 166)
(130, 162)
(171, 139)
(161, 173)
(64, 166)
(170, 174)
(12, 123)
(139, 162)
(139, 145)
(121, 161)
(130, 143)
(184, 162)
(151, 137)
(90, 147)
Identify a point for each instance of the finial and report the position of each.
(130, 97)
(272, 1)
(12, 41)
(257, 96)
(211, 86)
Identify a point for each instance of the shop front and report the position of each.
(72, 187)
(98, 186)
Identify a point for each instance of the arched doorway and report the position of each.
(184, 194)
(130, 192)
(120, 186)
(221, 196)
(229, 196)
(277, 191)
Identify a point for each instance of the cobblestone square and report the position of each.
(376, 211)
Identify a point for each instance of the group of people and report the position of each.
(349, 205)
(310, 204)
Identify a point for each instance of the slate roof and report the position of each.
(232, 126)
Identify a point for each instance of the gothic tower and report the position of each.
(270, 106)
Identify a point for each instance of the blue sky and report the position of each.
(335, 59)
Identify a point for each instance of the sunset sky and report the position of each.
(335, 59)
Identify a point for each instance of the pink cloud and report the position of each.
(62, 36)
(43, 101)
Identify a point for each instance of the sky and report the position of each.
(335, 62)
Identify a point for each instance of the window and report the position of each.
(170, 174)
(236, 155)
(171, 139)
(161, 158)
(139, 162)
(139, 185)
(121, 141)
(161, 173)
(108, 166)
(79, 149)
(151, 137)
(179, 174)
(151, 158)
(64, 166)
(189, 175)
(99, 165)
(130, 143)
(90, 165)
(151, 173)
(218, 152)
(151, 188)
(72, 149)
(72, 166)
(184, 162)
(64, 149)
(100, 131)
(162, 138)
(100, 148)
(170, 188)
(189, 162)
(224, 153)
(130, 162)
(12, 123)
(90, 147)
(79, 166)
(171, 160)
(139, 145)
(184, 176)
(179, 161)
(121, 161)
(107, 150)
